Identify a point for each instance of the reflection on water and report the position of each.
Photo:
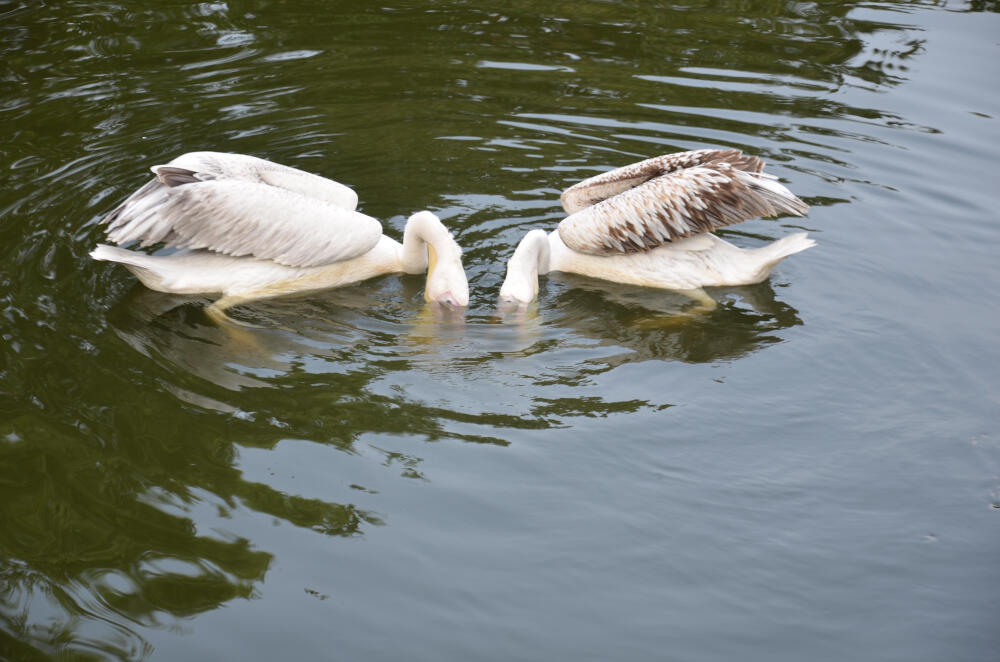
(344, 333)
(129, 422)
(102, 523)
(333, 332)
(355, 354)
(662, 326)
(642, 324)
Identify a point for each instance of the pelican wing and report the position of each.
(224, 165)
(238, 217)
(677, 205)
(601, 187)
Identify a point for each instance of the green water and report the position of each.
(810, 471)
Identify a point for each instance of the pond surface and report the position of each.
(809, 471)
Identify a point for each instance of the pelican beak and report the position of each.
(449, 300)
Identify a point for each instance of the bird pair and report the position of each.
(247, 229)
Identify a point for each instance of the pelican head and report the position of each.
(442, 258)
(530, 258)
(446, 281)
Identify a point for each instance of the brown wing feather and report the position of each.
(601, 187)
(677, 205)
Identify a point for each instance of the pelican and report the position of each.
(247, 228)
(650, 224)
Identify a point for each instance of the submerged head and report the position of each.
(446, 281)
(530, 258)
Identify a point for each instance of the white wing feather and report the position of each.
(241, 205)
(224, 165)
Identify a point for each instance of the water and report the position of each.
(811, 470)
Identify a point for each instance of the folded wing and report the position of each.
(224, 165)
(187, 208)
(681, 203)
(601, 187)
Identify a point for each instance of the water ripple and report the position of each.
(152, 447)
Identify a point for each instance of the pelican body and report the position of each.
(246, 228)
(649, 224)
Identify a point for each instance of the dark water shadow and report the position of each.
(581, 329)
(112, 506)
(661, 325)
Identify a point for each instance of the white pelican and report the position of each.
(249, 229)
(649, 224)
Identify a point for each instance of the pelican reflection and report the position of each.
(657, 324)
(338, 331)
